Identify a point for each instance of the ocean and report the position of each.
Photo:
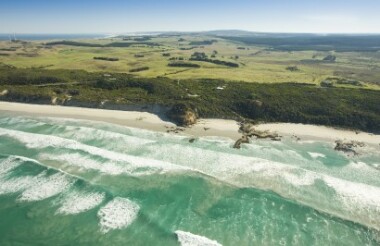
(78, 182)
(37, 37)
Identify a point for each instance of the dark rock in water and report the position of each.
(240, 141)
(191, 140)
(174, 129)
(348, 147)
(296, 138)
(182, 115)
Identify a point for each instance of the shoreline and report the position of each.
(203, 128)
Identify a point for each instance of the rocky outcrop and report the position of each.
(240, 141)
(248, 131)
(54, 100)
(174, 129)
(192, 140)
(348, 147)
(60, 100)
(182, 115)
(4, 93)
(264, 134)
(247, 128)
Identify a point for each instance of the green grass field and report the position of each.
(301, 84)
(256, 63)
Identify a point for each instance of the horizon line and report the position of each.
(189, 32)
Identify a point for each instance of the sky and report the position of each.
(117, 16)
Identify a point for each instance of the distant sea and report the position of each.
(6, 36)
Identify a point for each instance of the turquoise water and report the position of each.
(75, 182)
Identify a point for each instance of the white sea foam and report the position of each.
(78, 202)
(108, 127)
(248, 171)
(138, 167)
(359, 165)
(301, 179)
(85, 163)
(361, 201)
(8, 164)
(236, 169)
(307, 141)
(136, 164)
(14, 185)
(86, 133)
(189, 239)
(117, 214)
(22, 121)
(376, 165)
(355, 195)
(316, 155)
(266, 150)
(45, 187)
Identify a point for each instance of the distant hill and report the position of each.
(299, 42)
(231, 33)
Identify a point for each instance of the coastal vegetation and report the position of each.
(114, 44)
(292, 68)
(330, 58)
(183, 64)
(286, 102)
(201, 56)
(139, 69)
(203, 42)
(106, 58)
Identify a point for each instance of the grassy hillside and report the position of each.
(258, 60)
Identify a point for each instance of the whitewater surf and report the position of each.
(67, 181)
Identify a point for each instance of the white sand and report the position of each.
(129, 118)
(319, 132)
(205, 127)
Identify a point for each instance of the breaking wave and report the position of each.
(189, 239)
(117, 214)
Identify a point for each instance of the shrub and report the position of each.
(183, 64)
(139, 69)
(106, 58)
(292, 68)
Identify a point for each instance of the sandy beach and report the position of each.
(204, 127)
(307, 132)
